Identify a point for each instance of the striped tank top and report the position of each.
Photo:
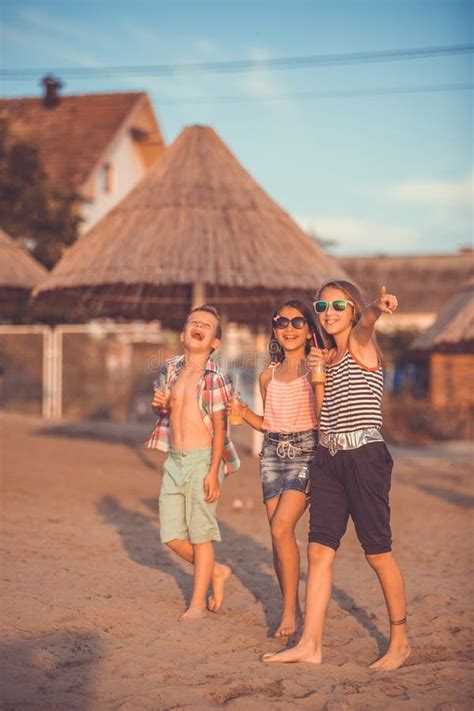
(352, 396)
(289, 407)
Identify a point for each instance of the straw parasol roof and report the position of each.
(453, 330)
(197, 222)
(440, 275)
(19, 274)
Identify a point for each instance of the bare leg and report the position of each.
(318, 593)
(290, 507)
(391, 580)
(203, 566)
(220, 573)
(271, 505)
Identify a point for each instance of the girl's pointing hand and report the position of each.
(386, 303)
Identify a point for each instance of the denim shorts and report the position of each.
(285, 462)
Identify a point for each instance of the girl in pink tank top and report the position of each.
(289, 423)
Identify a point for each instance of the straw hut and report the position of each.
(19, 274)
(447, 347)
(423, 283)
(196, 228)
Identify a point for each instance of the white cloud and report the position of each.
(29, 36)
(355, 236)
(265, 84)
(205, 47)
(438, 193)
(35, 18)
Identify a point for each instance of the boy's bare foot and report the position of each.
(193, 613)
(300, 653)
(393, 659)
(220, 575)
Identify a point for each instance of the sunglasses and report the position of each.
(283, 322)
(338, 305)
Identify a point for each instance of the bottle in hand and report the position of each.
(164, 406)
(235, 417)
(318, 372)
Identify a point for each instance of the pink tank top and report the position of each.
(289, 407)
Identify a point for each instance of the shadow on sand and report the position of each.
(132, 436)
(248, 559)
(53, 671)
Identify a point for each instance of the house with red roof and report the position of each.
(98, 145)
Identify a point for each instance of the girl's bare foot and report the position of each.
(193, 613)
(300, 653)
(288, 626)
(394, 658)
(220, 575)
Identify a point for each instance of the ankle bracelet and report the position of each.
(398, 622)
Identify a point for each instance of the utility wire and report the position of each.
(380, 91)
(246, 65)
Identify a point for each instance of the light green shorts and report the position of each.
(184, 514)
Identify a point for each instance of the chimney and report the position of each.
(51, 88)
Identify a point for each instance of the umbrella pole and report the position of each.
(199, 294)
(257, 437)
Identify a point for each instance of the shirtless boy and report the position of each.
(193, 430)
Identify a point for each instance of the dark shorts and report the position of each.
(285, 462)
(356, 483)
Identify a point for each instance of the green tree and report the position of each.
(41, 217)
(323, 242)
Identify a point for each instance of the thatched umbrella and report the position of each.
(453, 330)
(19, 274)
(197, 227)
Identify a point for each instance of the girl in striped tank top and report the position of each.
(289, 423)
(352, 468)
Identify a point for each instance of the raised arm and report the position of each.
(363, 331)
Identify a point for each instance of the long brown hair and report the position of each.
(353, 294)
(277, 353)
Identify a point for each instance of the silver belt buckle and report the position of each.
(332, 442)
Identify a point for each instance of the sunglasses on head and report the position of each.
(283, 322)
(338, 305)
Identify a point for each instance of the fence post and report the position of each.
(57, 378)
(47, 373)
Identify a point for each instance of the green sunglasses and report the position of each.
(338, 305)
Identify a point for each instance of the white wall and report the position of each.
(127, 166)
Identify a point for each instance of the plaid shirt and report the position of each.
(215, 389)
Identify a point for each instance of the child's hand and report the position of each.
(238, 407)
(386, 303)
(211, 488)
(159, 400)
(315, 356)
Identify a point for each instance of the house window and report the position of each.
(108, 178)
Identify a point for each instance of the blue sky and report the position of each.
(383, 173)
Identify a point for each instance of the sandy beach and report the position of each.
(90, 598)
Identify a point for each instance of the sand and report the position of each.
(90, 598)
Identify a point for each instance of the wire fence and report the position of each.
(82, 372)
(21, 369)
